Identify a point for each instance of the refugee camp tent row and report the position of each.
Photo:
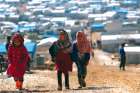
(111, 43)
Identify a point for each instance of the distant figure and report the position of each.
(18, 58)
(8, 42)
(60, 53)
(81, 55)
(122, 57)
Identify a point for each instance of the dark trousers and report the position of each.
(82, 73)
(122, 63)
(59, 77)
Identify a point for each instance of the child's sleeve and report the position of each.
(53, 51)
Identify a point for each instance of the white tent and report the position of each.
(132, 54)
(59, 19)
(12, 0)
(112, 42)
(47, 41)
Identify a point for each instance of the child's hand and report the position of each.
(86, 63)
(53, 59)
(80, 55)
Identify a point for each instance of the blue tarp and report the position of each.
(97, 27)
(129, 2)
(31, 48)
(25, 28)
(122, 11)
(113, 8)
(2, 48)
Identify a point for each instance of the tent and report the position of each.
(31, 48)
(132, 54)
(2, 48)
(47, 41)
(97, 27)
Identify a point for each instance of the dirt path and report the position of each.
(100, 79)
(45, 82)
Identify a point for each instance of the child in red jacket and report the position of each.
(18, 58)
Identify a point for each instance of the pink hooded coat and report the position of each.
(18, 58)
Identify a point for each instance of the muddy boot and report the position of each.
(123, 68)
(83, 80)
(80, 81)
(59, 88)
(84, 83)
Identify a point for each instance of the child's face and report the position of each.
(80, 37)
(17, 43)
(62, 37)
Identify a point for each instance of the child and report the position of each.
(122, 57)
(81, 55)
(60, 53)
(18, 58)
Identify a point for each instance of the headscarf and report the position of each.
(83, 43)
(64, 43)
(18, 37)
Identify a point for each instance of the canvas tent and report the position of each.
(132, 54)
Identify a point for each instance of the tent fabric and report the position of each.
(31, 48)
(97, 27)
(49, 40)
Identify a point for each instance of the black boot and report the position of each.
(66, 80)
(59, 77)
(80, 81)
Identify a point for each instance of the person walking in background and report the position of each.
(122, 57)
(8, 42)
(81, 55)
(60, 53)
(18, 58)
